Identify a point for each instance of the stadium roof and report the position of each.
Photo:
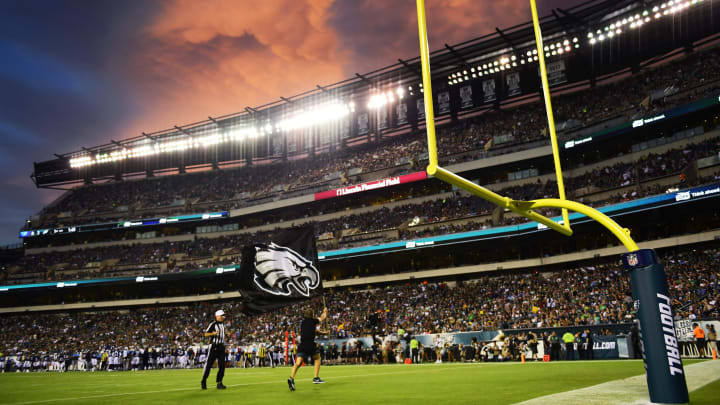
(581, 25)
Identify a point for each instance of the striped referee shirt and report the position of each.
(218, 339)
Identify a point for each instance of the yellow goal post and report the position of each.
(524, 208)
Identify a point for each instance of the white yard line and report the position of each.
(632, 390)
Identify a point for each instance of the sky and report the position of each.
(79, 73)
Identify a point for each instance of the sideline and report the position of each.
(632, 390)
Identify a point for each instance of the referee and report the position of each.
(216, 333)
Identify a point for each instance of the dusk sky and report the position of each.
(79, 73)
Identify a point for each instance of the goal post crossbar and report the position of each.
(524, 208)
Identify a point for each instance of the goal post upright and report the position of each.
(663, 369)
(548, 109)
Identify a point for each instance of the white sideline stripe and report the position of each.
(632, 390)
(195, 389)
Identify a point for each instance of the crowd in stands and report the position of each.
(233, 188)
(473, 210)
(649, 167)
(592, 294)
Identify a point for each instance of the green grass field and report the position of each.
(498, 383)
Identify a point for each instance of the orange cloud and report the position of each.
(216, 57)
(378, 32)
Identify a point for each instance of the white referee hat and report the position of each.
(219, 312)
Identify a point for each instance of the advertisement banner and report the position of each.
(443, 102)
(401, 113)
(277, 144)
(420, 103)
(363, 124)
(489, 91)
(372, 185)
(345, 128)
(555, 73)
(382, 118)
(466, 100)
(605, 347)
(291, 143)
(512, 84)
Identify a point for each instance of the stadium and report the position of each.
(351, 198)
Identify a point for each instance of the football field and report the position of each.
(497, 383)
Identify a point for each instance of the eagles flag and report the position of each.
(280, 271)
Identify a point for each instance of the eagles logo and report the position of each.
(280, 271)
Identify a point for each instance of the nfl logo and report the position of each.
(632, 259)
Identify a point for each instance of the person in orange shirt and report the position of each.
(699, 339)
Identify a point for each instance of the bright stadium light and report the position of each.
(319, 115)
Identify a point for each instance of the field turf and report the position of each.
(497, 383)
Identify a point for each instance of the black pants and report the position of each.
(216, 352)
(555, 351)
(415, 357)
(569, 351)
